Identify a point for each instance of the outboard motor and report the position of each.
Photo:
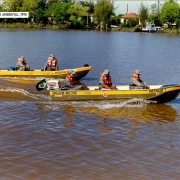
(54, 84)
(86, 65)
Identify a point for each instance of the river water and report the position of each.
(42, 139)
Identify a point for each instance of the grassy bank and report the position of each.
(66, 26)
(170, 31)
(33, 26)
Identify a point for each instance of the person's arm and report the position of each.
(77, 82)
(45, 67)
(19, 64)
(57, 65)
(135, 82)
(67, 83)
(101, 82)
(147, 87)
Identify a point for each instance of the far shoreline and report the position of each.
(66, 27)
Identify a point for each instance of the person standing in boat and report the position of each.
(51, 64)
(22, 65)
(71, 83)
(136, 82)
(105, 81)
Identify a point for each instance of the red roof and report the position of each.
(130, 15)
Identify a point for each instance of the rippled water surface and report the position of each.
(99, 140)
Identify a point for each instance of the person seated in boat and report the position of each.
(22, 65)
(105, 81)
(51, 64)
(136, 82)
(71, 83)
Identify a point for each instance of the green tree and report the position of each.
(76, 11)
(88, 4)
(115, 20)
(15, 6)
(40, 12)
(11, 5)
(143, 14)
(170, 13)
(50, 2)
(29, 5)
(103, 11)
(41, 4)
(154, 16)
(39, 15)
(59, 11)
(132, 22)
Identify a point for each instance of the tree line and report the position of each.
(79, 14)
(169, 13)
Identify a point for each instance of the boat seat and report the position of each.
(123, 87)
(155, 86)
(93, 87)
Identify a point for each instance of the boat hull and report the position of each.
(159, 95)
(79, 73)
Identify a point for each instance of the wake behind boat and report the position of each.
(157, 93)
(80, 72)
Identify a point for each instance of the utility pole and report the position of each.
(158, 5)
(127, 9)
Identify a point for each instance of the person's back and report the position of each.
(68, 81)
(136, 82)
(51, 64)
(71, 83)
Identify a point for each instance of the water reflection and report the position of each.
(69, 112)
(43, 112)
(66, 114)
(104, 127)
(146, 113)
(130, 118)
(50, 113)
